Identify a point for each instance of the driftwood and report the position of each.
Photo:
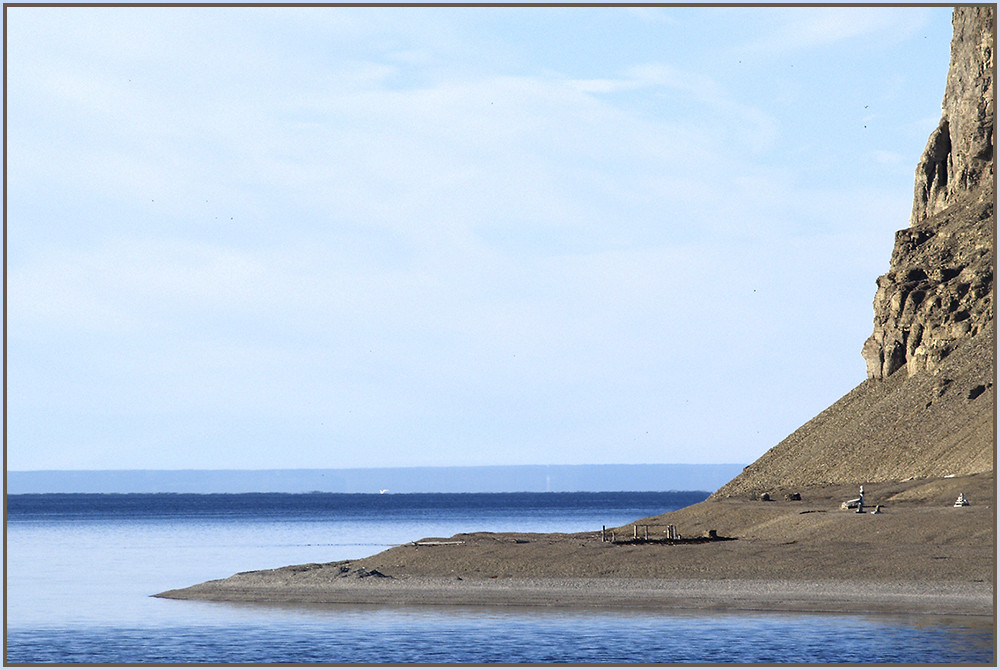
(684, 540)
(851, 504)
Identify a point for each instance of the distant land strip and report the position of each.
(468, 479)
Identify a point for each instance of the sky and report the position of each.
(359, 237)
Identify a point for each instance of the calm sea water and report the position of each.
(81, 570)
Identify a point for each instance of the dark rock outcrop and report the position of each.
(934, 315)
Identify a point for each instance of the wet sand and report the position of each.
(934, 598)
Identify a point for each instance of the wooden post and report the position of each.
(604, 534)
(647, 531)
(635, 532)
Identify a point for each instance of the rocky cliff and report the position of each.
(938, 290)
(927, 407)
(959, 153)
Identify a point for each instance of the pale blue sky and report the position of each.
(334, 237)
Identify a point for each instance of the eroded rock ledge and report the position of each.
(938, 291)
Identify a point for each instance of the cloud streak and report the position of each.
(329, 237)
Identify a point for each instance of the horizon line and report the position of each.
(376, 467)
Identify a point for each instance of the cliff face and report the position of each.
(939, 286)
(959, 153)
(934, 315)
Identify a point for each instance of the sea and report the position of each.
(81, 570)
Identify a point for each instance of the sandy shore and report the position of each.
(937, 598)
(918, 555)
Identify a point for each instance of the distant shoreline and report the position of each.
(458, 479)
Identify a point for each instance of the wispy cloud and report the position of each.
(800, 29)
(655, 15)
(373, 228)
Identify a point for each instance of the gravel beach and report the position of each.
(918, 555)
